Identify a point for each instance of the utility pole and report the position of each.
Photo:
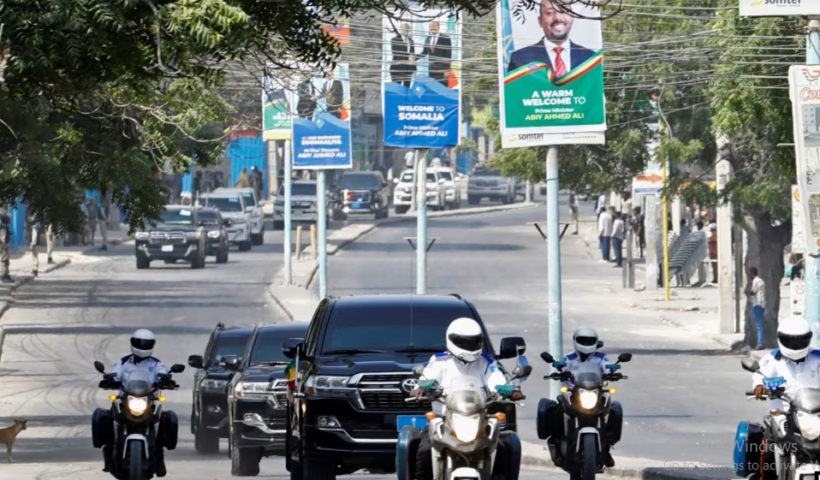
(321, 209)
(556, 328)
(725, 260)
(812, 268)
(286, 212)
(665, 206)
(421, 222)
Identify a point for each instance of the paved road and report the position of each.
(684, 396)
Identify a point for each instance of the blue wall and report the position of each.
(18, 224)
(247, 152)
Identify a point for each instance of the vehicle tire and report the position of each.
(244, 246)
(245, 461)
(205, 441)
(473, 200)
(222, 257)
(295, 466)
(401, 209)
(193, 419)
(589, 460)
(197, 262)
(315, 469)
(256, 238)
(277, 225)
(142, 263)
(135, 461)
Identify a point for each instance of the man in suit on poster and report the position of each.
(334, 93)
(404, 57)
(438, 48)
(555, 49)
(306, 106)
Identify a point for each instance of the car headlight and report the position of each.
(809, 425)
(248, 388)
(141, 235)
(239, 221)
(588, 398)
(324, 383)
(214, 234)
(465, 427)
(209, 384)
(137, 405)
(193, 235)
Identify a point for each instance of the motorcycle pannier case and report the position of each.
(102, 428)
(748, 446)
(547, 422)
(168, 430)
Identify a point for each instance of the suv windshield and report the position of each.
(268, 347)
(352, 181)
(208, 217)
(304, 189)
(446, 174)
(225, 204)
(486, 173)
(229, 344)
(388, 328)
(408, 178)
(178, 217)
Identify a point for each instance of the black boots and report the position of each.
(159, 462)
(608, 460)
(107, 457)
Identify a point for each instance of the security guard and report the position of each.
(5, 248)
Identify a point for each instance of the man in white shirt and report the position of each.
(757, 293)
(618, 235)
(604, 233)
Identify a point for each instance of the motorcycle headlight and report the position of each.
(141, 235)
(193, 234)
(588, 398)
(465, 427)
(809, 425)
(137, 405)
(214, 234)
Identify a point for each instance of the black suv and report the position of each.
(361, 193)
(179, 236)
(217, 233)
(209, 409)
(355, 372)
(258, 397)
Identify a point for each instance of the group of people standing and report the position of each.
(612, 228)
(332, 91)
(254, 180)
(438, 48)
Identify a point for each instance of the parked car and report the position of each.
(490, 184)
(178, 236)
(403, 193)
(216, 231)
(361, 193)
(303, 202)
(355, 373)
(452, 187)
(253, 206)
(209, 409)
(258, 397)
(232, 207)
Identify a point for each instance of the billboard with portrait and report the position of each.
(275, 109)
(320, 108)
(551, 73)
(421, 79)
(804, 90)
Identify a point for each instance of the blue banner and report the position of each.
(423, 116)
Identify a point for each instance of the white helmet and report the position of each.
(585, 340)
(465, 340)
(794, 338)
(142, 343)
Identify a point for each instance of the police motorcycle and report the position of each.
(592, 422)
(135, 425)
(464, 440)
(795, 434)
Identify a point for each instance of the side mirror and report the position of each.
(99, 366)
(396, 181)
(418, 370)
(521, 372)
(624, 357)
(229, 362)
(227, 222)
(292, 347)
(177, 368)
(600, 344)
(512, 347)
(750, 365)
(196, 361)
(545, 356)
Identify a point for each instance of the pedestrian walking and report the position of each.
(618, 235)
(5, 248)
(244, 179)
(573, 210)
(50, 243)
(756, 291)
(713, 251)
(34, 229)
(96, 216)
(639, 228)
(604, 233)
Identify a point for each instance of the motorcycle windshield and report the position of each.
(589, 376)
(805, 392)
(464, 395)
(138, 383)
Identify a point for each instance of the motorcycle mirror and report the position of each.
(750, 365)
(624, 357)
(418, 370)
(177, 368)
(600, 344)
(521, 372)
(545, 356)
(99, 366)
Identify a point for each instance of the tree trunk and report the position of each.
(765, 251)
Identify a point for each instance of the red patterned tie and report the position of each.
(560, 66)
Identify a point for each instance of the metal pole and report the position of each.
(811, 271)
(665, 224)
(421, 223)
(287, 214)
(321, 209)
(299, 242)
(527, 193)
(556, 328)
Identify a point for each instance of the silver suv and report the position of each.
(486, 183)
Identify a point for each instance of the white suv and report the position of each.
(403, 192)
(253, 206)
(452, 187)
(232, 207)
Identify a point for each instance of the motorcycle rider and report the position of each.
(142, 346)
(464, 356)
(585, 342)
(792, 358)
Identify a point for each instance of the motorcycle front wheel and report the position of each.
(589, 461)
(135, 461)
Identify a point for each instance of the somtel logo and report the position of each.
(787, 3)
(529, 137)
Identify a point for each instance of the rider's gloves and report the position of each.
(760, 390)
(505, 390)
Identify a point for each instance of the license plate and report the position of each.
(416, 421)
(356, 206)
(167, 248)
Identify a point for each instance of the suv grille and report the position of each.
(167, 238)
(355, 196)
(391, 401)
(384, 391)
